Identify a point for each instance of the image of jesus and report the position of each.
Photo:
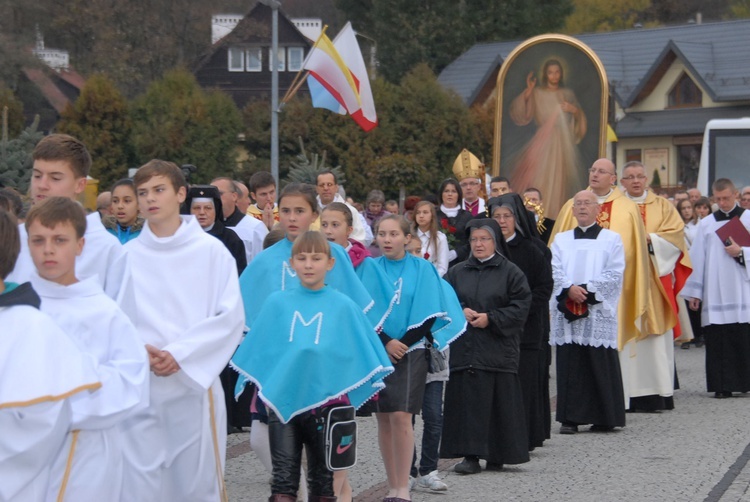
(551, 160)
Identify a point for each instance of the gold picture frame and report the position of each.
(548, 132)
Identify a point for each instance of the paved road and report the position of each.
(697, 452)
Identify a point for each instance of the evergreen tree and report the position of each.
(15, 110)
(306, 170)
(15, 157)
(100, 118)
(176, 120)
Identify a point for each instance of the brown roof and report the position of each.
(47, 87)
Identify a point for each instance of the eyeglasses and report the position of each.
(326, 185)
(483, 240)
(631, 178)
(584, 203)
(504, 217)
(465, 184)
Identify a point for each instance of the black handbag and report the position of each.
(341, 438)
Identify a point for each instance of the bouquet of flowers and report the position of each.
(449, 231)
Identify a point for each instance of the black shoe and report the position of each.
(602, 428)
(493, 466)
(231, 429)
(468, 466)
(685, 346)
(568, 429)
(699, 342)
(722, 395)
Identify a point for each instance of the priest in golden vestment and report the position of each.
(621, 215)
(651, 360)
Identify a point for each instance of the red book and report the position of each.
(736, 230)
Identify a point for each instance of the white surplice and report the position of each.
(599, 263)
(722, 284)
(183, 296)
(252, 232)
(41, 369)
(102, 255)
(101, 330)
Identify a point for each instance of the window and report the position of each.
(254, 62)
(633, 155)
(236, 59)
(295, 56)
(282, 59)
(685, 94)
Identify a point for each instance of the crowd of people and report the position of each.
(144, 332)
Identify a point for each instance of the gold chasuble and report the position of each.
(661, 218)
(621, 215)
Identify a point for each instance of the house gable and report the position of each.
(239, 63)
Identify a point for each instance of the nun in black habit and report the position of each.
(526, 252)
(200, 194)
(483, 413)
(238, 412)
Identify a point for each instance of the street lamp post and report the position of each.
(275, 5)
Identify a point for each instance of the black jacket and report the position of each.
(538, 271)
(232, 242)
(499, 288)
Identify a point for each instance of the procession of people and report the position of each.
(134, 341)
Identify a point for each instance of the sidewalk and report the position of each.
(699, 451)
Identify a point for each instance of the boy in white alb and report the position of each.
(89, 466)
(183, 295)
(61, 165)
(41, 370)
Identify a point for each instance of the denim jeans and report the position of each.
(432, 417)
(286, 440)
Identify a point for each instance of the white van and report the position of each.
(725, 153)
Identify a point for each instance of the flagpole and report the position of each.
(297, 82)
(293, 90)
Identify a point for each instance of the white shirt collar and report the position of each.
(640, 199)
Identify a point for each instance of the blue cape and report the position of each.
(308, 347)
(380, 288)
(270, 272)
(421, 295)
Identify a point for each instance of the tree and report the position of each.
(15, 157)
(15, 111)
(738, 9)
(176, 120)
(100, 118)
(603, 15)
(400, 171)
(418, 119)
(306, 170)
(656, 182)
(435, 32)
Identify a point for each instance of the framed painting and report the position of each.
(551, 117)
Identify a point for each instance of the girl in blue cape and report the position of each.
(307, 347)
(336, 223)
(270, 270)
(424, 308)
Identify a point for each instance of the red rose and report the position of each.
(444, 222)
(452, 229)
(427, 256)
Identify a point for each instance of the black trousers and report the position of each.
(286, 442)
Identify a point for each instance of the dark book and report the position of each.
(736, 230)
